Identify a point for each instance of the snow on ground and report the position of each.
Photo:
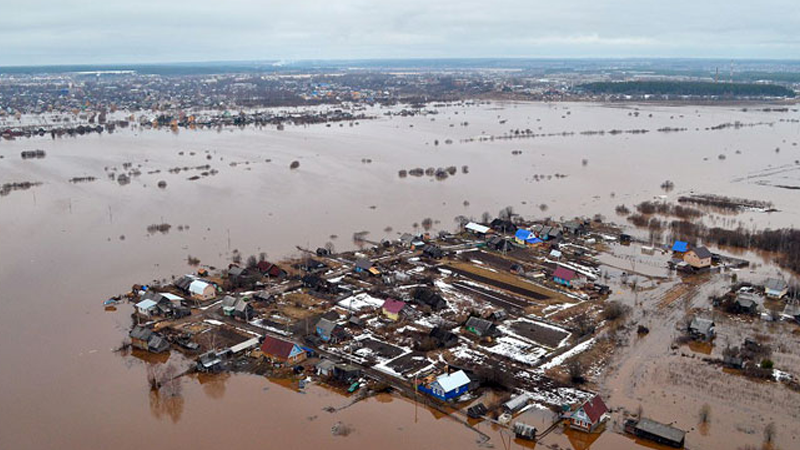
(559, 396)
(555, 309)
(260, 324)
(213, 322)
(558, 360)
(360, 301)
(464, 353)
(517, 350)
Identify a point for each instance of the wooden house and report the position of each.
(589, 416)
(564, 276)
(282, 351)
(392, 308)
(775, 288)
(698, 258)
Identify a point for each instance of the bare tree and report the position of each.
(769, 433)
(705, 413)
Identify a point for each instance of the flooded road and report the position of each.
(65, 247)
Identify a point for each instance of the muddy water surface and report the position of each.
(62, 250)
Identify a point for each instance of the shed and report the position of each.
(477, 228)
(680, 247)
(656, 432)
(516, 404)
(524, 431)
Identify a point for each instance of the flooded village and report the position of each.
(458, 273)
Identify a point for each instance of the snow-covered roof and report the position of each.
(197, 286)
(449, 382)
(478, 228)
(146, 304)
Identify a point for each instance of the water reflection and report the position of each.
(213, 384)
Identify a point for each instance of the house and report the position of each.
(702, 329)
(564, 276)
(499, 243)
(330, 331)
(448, 386)
(574, 227)
(481, 327)
(699, 258)
(140, 336)
(775, 288)
(264, 297)
(201, 290)
(312, 265)
(553, 234)
(235, 272)
(363, 265)
(522, 236)
(237, 307)
(476, 228)
(391, 308)
(432, 251)
(590, 415)
(145, 339)
(147, 308)
(443, 337)
(346, 373)
(183, 282)
(792, 310)
(746, 303)
(503, 225)
(282, 351)
(406, 239)
(270, 270)
(243, 310)
(428, 296)
(209, 362)
(173, 299)
(325, 368)
(680, 247)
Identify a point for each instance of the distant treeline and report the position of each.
(695, 88)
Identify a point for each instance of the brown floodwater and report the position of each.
(62, 250)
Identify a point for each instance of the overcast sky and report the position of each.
(112, 31)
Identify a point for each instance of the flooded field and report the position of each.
(65, 246)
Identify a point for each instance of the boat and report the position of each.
(354, 387)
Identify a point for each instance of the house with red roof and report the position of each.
(391, 308)
(589, 415)
(564, 276)
(282, 351)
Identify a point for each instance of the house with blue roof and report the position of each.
(680, 247)
(526, 237)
